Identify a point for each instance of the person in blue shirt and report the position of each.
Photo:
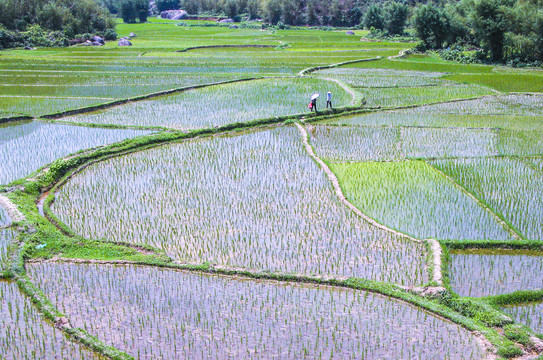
(329, 99)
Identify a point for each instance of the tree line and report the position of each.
(52, 22)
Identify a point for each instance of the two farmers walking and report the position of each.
(313, 104)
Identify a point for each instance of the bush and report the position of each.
(109, 34)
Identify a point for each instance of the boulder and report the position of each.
(132, 35)
(98, 39)
(96, 43)
(234, 27)
(174, 14)
(349, 32)
(226, 21)
(124, 42)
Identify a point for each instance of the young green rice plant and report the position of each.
(221, 104)
(536, 162)
(360, 143)
(530, 315)
(395, 97)
(155, 313)
(4, 217)
(492, 272)
(25, 335)
(43, 105)
(411, 197)
(510, 187)
(517, 142)
(411, 118)
(381, 78)
(383, 143)
(7, 239)
(26, 146)
(527, 105)
(256, 201)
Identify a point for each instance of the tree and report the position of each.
(490, 25)
(374, 18)
(430, 26)
(272, 11)
(131, 10)
(395, 17)
(163, 5)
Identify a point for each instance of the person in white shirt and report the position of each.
(329, 99)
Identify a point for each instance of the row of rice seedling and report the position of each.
(493, 272)
(411, 197)
(510, 187)
(221, 104)
(154, 313)
(423, 63)
(509, 105)
(4, 217)
(530, 315)
(380, 143)
(27, 146)
(514, 142)
(426, 119)
(24, 335)
(537, 162)
(394, 97)
(43, 105)
(7, 239)
(512, 81)
(256, 201)
(379, 78)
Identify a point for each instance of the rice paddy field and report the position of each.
(492, 272)
(27, 146)
(201, 316)
(177, 199)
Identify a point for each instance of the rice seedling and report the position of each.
(493, 272)
(342, 143)
(256, 201)
(154, 313)
(380, 78)
(413, 198)
(36, 106)
(508, 105)
(424, 118)
(4, 217)
(26, 146)
(516, 142)
(223, 104)
(7, 238)
(510, 187)
(24, 335)
(530, 315)
(504, 82)
(421, 63)
(394, 97)
(379, 143)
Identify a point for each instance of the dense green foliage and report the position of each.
(50, 23)
(499, 30)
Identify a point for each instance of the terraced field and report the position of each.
(177, 199)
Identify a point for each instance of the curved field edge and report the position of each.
(472, 314)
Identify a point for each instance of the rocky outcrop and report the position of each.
(226, 21)
(124, 42)
(349, 32)
(174, 14)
